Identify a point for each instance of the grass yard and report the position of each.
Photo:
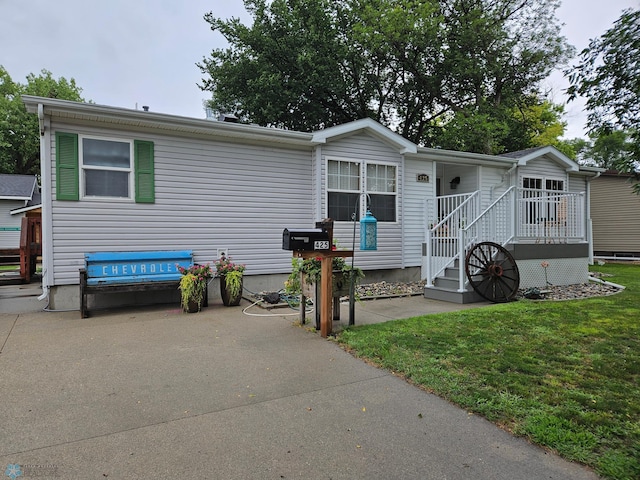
(566, 375)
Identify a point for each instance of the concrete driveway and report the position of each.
(153, 393)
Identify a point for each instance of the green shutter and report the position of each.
(67, 180)
(145, 187)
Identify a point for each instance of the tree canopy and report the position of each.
(19, 136)
(608, 77)
(605, 150)
(460, 74)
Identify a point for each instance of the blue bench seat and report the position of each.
(110, 272)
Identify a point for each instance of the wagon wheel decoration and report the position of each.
(492, 272)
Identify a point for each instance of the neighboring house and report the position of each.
(120, 179)
(615, 213)
(19, 197)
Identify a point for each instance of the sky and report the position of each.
(130, 53)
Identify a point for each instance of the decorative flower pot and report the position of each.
(192, 307)
(339, 285)
(228, 299)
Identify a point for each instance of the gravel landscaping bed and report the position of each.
(572, 292)
(552, 292)
(384, 289)
(389, 289)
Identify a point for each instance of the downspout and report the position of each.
(45, 189)
(425, 272)
(41, 119)
(505, 175)
(403, 260)
(588, 217)
(318, 183)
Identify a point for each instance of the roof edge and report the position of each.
(470, 158)
(553, 152)
(368, 125)
(125, 116)
(25, 209)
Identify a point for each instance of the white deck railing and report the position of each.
(519, 215)
(547, 216)
(454, 212)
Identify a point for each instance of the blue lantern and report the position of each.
(368, 232)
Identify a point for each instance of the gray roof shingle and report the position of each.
(521, 153)
(18, 186)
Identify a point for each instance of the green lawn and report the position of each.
(566, 375)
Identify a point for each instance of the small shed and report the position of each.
(19, 197)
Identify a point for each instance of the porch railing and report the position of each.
(454, 212)
(518, 215)
(549, 216)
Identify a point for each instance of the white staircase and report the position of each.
(445, 287)
(448, 241)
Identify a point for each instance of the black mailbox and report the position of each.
(306, 240)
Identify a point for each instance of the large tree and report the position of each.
(453, 74)
(608, 76)
(19, 137)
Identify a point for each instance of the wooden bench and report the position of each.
(113, 272)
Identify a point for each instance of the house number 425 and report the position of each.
(321, 245)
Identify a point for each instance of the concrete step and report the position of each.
(452, 295)
(447, 283)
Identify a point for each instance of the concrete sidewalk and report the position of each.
(154, 393)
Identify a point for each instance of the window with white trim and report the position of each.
(542, 205)
(106, 168)
(554, 184)
(91, 167)
(346, 180)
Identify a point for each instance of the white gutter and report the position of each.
(45, 190)
(403, 255)
(588, 216)
(318, 183)
(173, 124)
(505, 175)
(41, 118)
(604, 282)
(461, 158)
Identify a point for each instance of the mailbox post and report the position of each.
(326, 272)
(317, 243)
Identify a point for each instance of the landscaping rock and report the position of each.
(572, 292)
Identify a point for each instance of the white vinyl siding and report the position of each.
(494, 181)
(416, 195)
(544, 169)
(366, 148)
(577, 184)
(208, 195)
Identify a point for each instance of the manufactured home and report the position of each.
(116, 179)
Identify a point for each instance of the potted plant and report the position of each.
(193, 286)
(230, 275)
(305, 273)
